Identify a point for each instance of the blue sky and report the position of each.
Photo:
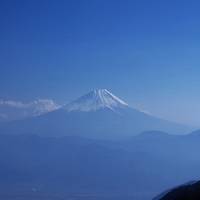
(147, 52)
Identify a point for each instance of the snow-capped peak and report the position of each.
(94, 100)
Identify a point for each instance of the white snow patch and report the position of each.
(96, 100)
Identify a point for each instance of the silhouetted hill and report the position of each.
(189, 191)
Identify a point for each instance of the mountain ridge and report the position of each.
(98, 114)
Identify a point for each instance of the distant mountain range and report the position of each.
(98, 114)
(70, 167)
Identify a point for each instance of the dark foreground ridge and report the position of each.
(190, 191)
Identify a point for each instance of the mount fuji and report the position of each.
(95, 100)
(98, 114)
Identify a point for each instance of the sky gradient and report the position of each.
(147, 52)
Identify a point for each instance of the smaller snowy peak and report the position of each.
(95, 100)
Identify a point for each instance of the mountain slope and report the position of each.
(98, 114)
(189, 191)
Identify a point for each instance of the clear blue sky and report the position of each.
(147, 52)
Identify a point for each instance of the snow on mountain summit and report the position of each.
(94, 100)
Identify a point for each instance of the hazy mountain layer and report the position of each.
(138, 168)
